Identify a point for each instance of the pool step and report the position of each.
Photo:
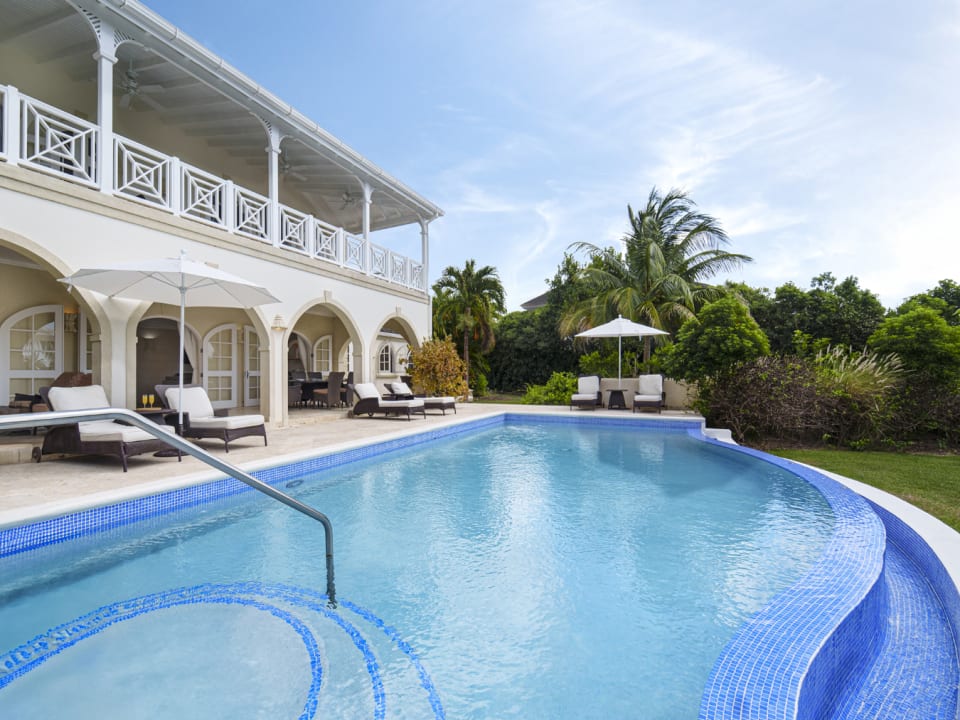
(915, 673)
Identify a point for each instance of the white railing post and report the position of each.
(230, 206)
(105, 157)
(176, 178)
(311, 236)
(341, 241)
(11, 125)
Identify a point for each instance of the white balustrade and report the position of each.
(55, 142)
(252, 213)
(203, 196)
(327, 242)
(58, 143)
(142, 174)
(353, 252)
(294, 230)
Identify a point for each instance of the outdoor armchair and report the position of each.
(588, 392)
(649, 393)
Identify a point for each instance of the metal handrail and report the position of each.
(70, 417)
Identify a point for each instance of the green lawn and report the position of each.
(931, 482)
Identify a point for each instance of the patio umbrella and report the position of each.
(620, 328)
(172, 281)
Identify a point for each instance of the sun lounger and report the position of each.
(202, 421)
(402, 391)
(98, 437)
(370, 403)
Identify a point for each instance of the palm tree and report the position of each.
(469, 301)
(660, 279)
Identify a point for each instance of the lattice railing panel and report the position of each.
(294, 230)
(56, 142)
(416, 276)
(142, 174)
(398, 269)
(326, 242)
(252, 214)
(378, 261)
(353, 252)
(203, 196)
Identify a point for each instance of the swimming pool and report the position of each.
(519, 571)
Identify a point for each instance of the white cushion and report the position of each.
(401, 388)
(440, 400)
(588, 384)
(650, 385)
(109, 431)
(195, 402)
(647, 398)
(228, 422)
(366, 390)
(391, 404)
(88, 397)
(586, 397)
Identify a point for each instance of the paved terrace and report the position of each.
(31, 491)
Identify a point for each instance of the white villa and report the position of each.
(121, 138)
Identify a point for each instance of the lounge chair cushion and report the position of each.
(413, 403)
(110, 431)
(587, 387)
(584, 397)
(647, 398)
(227, 422)
(195, 402)
(366, 390)
(401, 388)
(650, 385)
(89, 397)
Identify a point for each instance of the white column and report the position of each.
(276, 373)
(367, 202)
(273, 182)
(105, 61)
(425, 252)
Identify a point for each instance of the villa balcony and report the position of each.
(44, 138)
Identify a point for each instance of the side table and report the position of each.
(616, 401)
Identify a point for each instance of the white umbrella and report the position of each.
(620, 328)
(172, 281)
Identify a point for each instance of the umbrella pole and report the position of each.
(619, 359)
(183, 303)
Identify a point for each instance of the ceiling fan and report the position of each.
(131, 87)
(348, 199)
(288, 170)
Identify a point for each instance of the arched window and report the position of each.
(31, 343)
(386, 360)
(323, 354)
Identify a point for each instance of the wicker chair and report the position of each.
(588, 393)
(202, 421)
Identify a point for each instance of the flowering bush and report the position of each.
(438, 370)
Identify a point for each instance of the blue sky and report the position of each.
(824, 136)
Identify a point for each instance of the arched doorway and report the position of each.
(158, 342)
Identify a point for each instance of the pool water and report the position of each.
(527, 571)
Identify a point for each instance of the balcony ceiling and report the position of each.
(205, 98)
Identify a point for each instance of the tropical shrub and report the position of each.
(719, 338)
(925, 342)
(438, 369)
(557, 391)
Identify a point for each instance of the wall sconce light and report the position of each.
(278, 323)
(69, 320)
